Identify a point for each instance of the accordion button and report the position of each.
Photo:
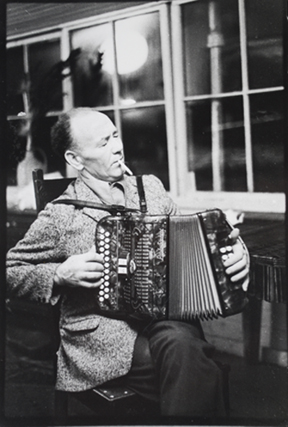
(106, 296)
(107, 252)
(106, 265)
(101, 249)
(106, 246)
(101, 299)
(101, 292)
(107, 234)
(106, 277)
(223, 250)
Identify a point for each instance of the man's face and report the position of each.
(98, 146)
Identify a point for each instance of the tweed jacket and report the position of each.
(93, 349)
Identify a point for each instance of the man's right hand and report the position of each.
(84, 270)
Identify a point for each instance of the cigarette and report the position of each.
(126, 169)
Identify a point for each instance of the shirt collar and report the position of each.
(102, 189)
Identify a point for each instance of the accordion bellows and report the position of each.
(166, 267)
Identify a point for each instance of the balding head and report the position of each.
(71, 126)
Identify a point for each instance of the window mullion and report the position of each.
(215, 43)
(115, 85)
(246, 101)
(168, 96)
(180, 115)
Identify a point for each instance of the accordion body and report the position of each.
(166, 267)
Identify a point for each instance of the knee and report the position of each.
(178, 338)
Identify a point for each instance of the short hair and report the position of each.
(61, 138)
(61, 134)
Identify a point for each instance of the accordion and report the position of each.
(166, 267)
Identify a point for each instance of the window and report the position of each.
(195, 88)
(229, 95)
(34, 95)
(119, 69)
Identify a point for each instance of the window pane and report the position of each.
(211, 47)
(145, 144)
(139, 62)
(42, 144)
(93, 66)
(268, 135)
(229, 134)
(15, 148)
(45, 75)
(265, 52)
(15, 77)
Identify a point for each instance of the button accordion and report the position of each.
(166, 267)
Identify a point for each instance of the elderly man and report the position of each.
(165, 361)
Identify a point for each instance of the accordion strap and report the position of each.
(113, 209)
(141, 192)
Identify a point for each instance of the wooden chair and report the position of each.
(115, 397)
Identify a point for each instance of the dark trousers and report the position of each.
(172, 364)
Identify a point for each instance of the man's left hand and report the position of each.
(237, 263)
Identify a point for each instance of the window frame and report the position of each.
(187, 193)
(182, 182)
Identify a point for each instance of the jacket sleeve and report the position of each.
(32, 263)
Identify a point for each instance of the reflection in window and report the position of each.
(92, 83)
(139, 60)
(201, 158)
(45, 75)
(268, 135)
(265, 51)
(15, 76)
(145, 145)
(211, 47)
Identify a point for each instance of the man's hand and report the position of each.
(84, 270)
(237, 263)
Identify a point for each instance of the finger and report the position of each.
(91, 275)
(93, 256)
(91, 284)
(234, 235)
(240, 276)
(94, 266)
(232, 257)
(235, 268)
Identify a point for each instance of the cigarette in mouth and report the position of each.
(126, 169)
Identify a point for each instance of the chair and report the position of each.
(113, 393)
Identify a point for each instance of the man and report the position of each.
(165, 361)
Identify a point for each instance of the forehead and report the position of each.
(91, 126)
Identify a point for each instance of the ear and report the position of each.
(74, 160)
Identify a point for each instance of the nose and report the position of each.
(117, 145)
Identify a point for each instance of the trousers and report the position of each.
(172, 364)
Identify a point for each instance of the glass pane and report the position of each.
(211, 47)
(15, 76)
(267, 111)
(15, 148)
(265, 51)
(228, 133)
(93, 66)
(41, 143)
(198, 116)
(145, 142)
(139, 62)
(45, 75)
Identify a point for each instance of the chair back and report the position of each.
(47, 190)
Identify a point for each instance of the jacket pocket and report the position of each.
(87, 324)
